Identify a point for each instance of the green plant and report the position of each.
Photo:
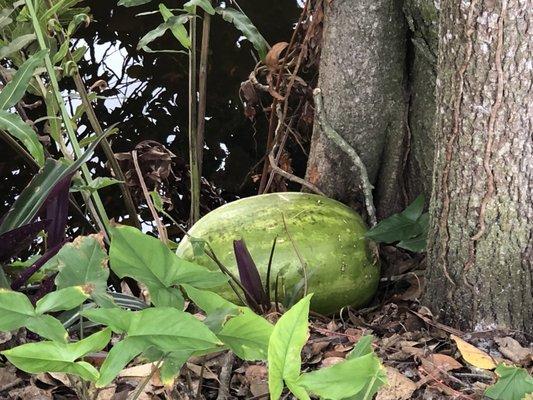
(408, 228)
(164, 333)
(358, 377)
(514, 383)
(33, 34)
(187, 39)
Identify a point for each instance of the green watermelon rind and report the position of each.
(328, 235)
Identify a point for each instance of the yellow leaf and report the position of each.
(473, 355)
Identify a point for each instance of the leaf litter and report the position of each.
(423, 358)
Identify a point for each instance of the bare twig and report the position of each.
(270, 137)
(331, 134)
(225, 376)
(160, 226)
(282, 172)
(145, 381)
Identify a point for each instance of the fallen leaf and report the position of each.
(197, 369)
(107, 393)
(436, 363)
(138, 371)
(328, 362)
(511, 349)
(472, 355)
(257, 377)
(399, 386)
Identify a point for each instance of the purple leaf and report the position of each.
(14, 241)
(28, 272)
(249, 275)
(56, 206)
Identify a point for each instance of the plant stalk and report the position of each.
(97, 127)
(100, 215)
(193, 129)
(202, 87)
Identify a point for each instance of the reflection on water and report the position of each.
(146, 93)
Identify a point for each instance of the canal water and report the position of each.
(146, 94)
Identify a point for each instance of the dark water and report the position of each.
(147, 95)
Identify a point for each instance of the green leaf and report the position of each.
(171, 23)
(513, 384)
(243, 23)
(166, 329)
(409, 228)
(342, 380)
(84, 263)
(48, 327)
(13, 92)
(172, 365)
(19, 129)
(395, 228)
(119, 356)
(247, 335)
(63, 299)
(133, 3)
(149, 261)
(416, 244)
(298, 391)
(98, 183)
(16, 44)
(35, 194)
(362, 348)
(59, 357)
(15, 309)
(414, 210)
(178, 30)
(286, 342)
(208, 301)
(218, 309)
(117, 319)
(191, 5)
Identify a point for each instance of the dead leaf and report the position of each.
(436, 363)
(197, 369)
(257, 377)
(107, 393)
(329, 361)
(138, 371)
(399, 386)
(272, 58)
(511, 349)
(474, 356)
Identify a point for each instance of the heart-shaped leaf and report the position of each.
(286, 342)
(164, 328)
(84, 263)
(47, 356)
(149, 261)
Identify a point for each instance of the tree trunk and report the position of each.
(361, 78)
(423, 18)
(480, 248)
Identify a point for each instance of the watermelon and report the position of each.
(328, 235)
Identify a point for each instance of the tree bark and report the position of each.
(422, 17)
(480, 247)
(362, 83)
